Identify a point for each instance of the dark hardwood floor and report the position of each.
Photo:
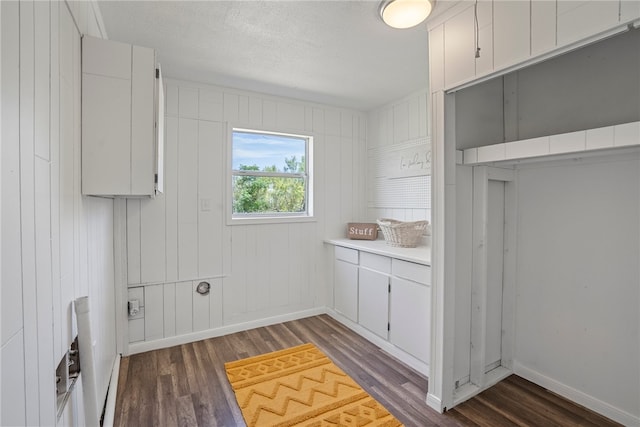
(187, 386)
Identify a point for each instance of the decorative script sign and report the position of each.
(414, 161)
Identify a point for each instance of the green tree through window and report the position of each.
(269, 189)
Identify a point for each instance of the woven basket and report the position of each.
(402, 234)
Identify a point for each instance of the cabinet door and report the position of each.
(346, 289)
(106, 130)
(410, 317)
(511, 22)
(143, 85)
(373, 301)
(579, 19)
(459, 48)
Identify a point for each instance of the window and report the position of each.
(270, 175)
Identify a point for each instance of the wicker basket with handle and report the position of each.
(402, 234)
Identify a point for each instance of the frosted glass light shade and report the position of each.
(405, 13)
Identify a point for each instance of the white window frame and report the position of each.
(275, 218)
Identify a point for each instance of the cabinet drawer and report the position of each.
(375, 262)
(346, 254)
(411, 271)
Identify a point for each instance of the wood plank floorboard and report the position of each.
(187, 385)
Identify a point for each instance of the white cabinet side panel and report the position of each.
(142, 121)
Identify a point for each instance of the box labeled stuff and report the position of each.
(362, 231)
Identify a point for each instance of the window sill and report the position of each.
(270, 220)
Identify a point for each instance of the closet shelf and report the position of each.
(622, 135)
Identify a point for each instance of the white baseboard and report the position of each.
(434, 402)
(385, 345)
(141, 347)
(577, 396)
(110, 406)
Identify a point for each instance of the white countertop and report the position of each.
(420, 254)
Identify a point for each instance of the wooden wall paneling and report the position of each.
(209, 212)
(187, 199)
(143, 61)
(41, 89)
(235, 295)
(347, 193)
(414, 118)
(215, 303)
(257, 265)
(188, 102)
(318, 120)
(332, 122)
(134, 242)
(169, 309)
(27, 214)
(296, 268)
(279, 254)
(290, 116)
(201, 308)
(269, 114)
(346, 124)
(152, 239)
(255, 111)
(230, 107)
(172, 95)
(154, 312)
(66, 182)
(400, 122)
(12, 258)
(171, 197)
(54, 156)
(44, 289)
(211, 105)
(333, 180)
(13, 387)
(308, 119)
(243, 109)
(184, 307)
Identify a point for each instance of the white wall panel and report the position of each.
(188, 199)
(578, 247)
(201, 309)
(269, 113)
(230, 107)
(211, 106)
(169, 310)
(13, 390)
(171, 196)
(41, 78)
(152, 240)
(215, 303)
(184, 308)
(153, 313)
(11, 258)
(188, 102)
(210, 211)
(133, 241)
(255, 111)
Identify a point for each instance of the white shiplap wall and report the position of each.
(257, 272)
(400, 124)
(56, 245)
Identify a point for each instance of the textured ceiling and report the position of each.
(335, 52)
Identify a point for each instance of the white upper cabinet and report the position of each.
(459, 48)
(543, 26)
(511, 32)
(514, 32)
(580, 19)
(121, 119)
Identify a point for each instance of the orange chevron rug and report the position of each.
(301, 386)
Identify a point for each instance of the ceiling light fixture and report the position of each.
(405, 13)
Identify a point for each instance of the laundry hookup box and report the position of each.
(362, 230)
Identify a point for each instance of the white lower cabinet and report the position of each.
(409, 317)
(346, 283)
(387, 296)
(373, 293)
